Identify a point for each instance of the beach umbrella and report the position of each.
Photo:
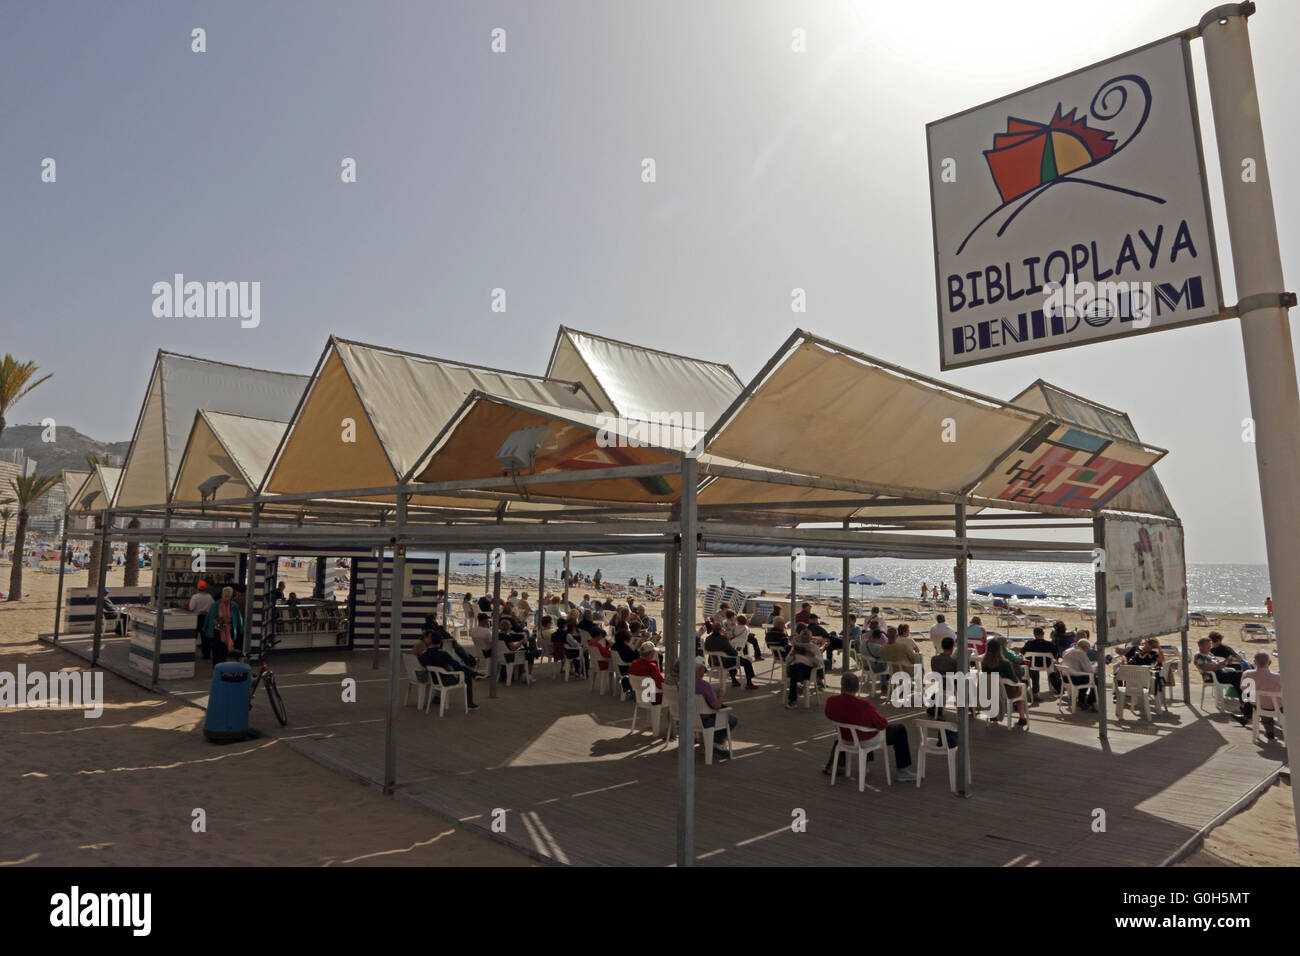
(865, 579)
(1008, 589)
(820, 576)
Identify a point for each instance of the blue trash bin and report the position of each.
(228, 702)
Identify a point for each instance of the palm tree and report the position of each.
(131, 569)
(15, 382)
(92, 566)
(28, 489)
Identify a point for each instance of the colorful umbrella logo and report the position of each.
(1029, 154)
(1030, 157)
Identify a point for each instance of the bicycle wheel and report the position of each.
(277, 702)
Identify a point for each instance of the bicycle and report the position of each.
(264, 675)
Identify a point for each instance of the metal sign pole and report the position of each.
(1265, 332)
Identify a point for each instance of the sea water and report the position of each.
(1223, 588)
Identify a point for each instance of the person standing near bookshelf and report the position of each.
(224, 626)
(200, 601)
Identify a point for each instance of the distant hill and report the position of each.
(69, 451)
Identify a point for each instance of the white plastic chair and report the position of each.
(858, 750)
(1274, 700)
(416, 679)
(445, 690)
(717, 670)
(934, 740)
(1210, 682)
(1134, 686)
(655, 711)
(1008, 711)
(810, 691)
(1041, 663)
(721, 725)
(602, 679)
(1068, 699)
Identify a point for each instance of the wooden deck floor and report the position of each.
(577, 788)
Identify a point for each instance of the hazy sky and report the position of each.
(522, 170)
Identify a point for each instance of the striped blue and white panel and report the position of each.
(424, 576)
(80, 612)
(177, 660)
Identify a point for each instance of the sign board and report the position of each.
(1094, 181)
(1146, 579)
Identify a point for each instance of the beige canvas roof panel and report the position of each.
(824, 412)
(576, 440)
(639, 382)
(179, 386)
(371, 414)
(101, 483)
(236, 446)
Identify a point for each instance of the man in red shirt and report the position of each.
(805, 612)
(847, 707)
(645, 666)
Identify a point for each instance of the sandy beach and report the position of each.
(123, 789)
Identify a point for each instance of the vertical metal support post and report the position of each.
(1103, 624)
(394, 645)
(496, 658)
(58, 600)
(160, 621)
(541, 589)
(672, 586)
(1187, 687)
(961, 582)
(844, 609)
(686, 671)
(104, 560)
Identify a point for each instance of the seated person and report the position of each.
(1220, 669)
(1220, 649)
(943, 663)
(434, 656)
(870, 650)
(736, 627)
(1076, 659)
(1262, 678)
(481, 634)
(995, 662)
(847, 707)
(514, 649)
(624, 655)
(853, 633)
(975, 633)
(448, 642)
(1061, 640)
(776, 638)
(717, 643)
(573, 649)
(895, 651)
(1040, 645)
(905, 637)
(704, 689)
(589, 625)
(647, 666)
(600, 652)
(805, 662)
(828, 642)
